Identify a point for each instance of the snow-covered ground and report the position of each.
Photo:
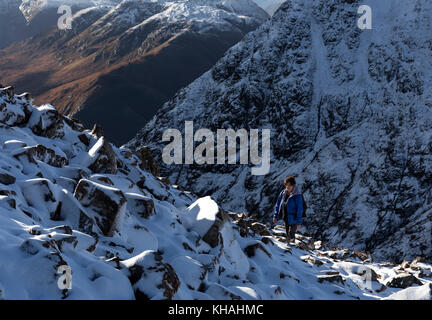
(70, 198)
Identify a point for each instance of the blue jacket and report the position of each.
(294, 206)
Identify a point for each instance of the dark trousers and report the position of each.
(290, 231)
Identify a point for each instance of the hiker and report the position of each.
(289, 207)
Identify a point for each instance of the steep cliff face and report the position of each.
(350, 114)
(123, 61)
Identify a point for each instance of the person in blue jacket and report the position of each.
(289, 207)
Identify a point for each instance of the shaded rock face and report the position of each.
(107, 203)
(147, 161)
(106, 161)
(350, 117)
(142, 206)
(213, 236)
(151, 277)
(7, 179)
(251, 249)
(334, 278)
(43, 154)
(403, 281)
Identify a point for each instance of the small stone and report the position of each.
(7, 179)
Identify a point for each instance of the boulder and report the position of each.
(8, 93)
(11, 112)
(403, 281)
(7, 202)
(267, 240)
(26, 96)
(305, 246)
(333, 278)
(206, 219)
(251, 249)
(191, 271)
(101, 178)
(43, 196)
(150, 276)
(405, 265)
(6, 179)
(140, 205)
(105, 205)
(242, 226)
(147, 161)
(42, 154)
(10, 116)
(209, 261)
(155, 187)
(45, 121)
(84, 139)
(103, 157)
(212, 236)
(312, 260)
(363, 256)
(260, 229)
(97, 131)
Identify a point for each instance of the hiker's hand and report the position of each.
(274, 220)
(298, 226)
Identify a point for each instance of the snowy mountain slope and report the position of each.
(350, 116)
(68, 198)
(126, 60)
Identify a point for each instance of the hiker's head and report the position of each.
(289, 183)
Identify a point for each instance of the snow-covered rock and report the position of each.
(150, 277)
